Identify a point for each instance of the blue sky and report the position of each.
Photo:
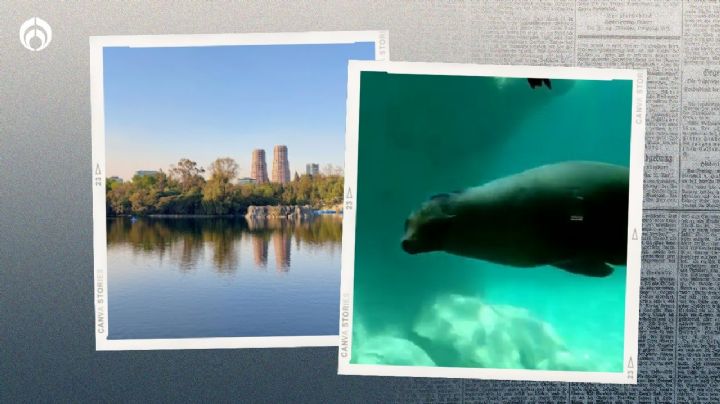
(163, 104)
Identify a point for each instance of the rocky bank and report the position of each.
(279, 212)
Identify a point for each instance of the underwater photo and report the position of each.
(491, 226)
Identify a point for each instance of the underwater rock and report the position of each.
(493, 336)
(388, 350)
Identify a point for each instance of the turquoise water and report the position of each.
(424, 135)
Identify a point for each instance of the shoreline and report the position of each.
(178, 216)
(201, 216)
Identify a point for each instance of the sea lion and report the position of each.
(572, 215)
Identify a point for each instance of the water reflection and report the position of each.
(260, 250)
(281, 243)
(210, 277)
(185, 241)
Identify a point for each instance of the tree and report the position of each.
(217, 193)
(143, 181)
(185, 191)
(143, 201)
(224, 169)
(109, 182)
(222, 172)
(118, 198)
(188, 174)
(162, 182)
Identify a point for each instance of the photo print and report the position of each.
(218, 187)
(492, 222)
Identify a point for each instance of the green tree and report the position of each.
(223, 171)
(143, 181)
(188, 174)
(217, 193)
(109, 182)
(118, 198)
(185, 191)
(143, 201)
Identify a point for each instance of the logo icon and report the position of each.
(35, 34)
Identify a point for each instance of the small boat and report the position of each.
(133, 219)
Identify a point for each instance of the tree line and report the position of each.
(184, 190)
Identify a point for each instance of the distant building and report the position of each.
(281, 166)
(116, 179)
(312, 169)
(258, 169)
(145, 173)
(247, 180)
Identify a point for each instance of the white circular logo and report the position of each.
(35, 34)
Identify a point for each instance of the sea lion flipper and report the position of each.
(588, 268)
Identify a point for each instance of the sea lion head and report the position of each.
(427, 227)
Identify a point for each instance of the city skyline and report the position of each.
(201, 103)
(242, 173)
(245, 167)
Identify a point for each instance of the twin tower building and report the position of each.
(280, 167)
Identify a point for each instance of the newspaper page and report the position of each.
(678, 42)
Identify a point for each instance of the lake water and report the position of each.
(223, 277)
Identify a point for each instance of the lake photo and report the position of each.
(219, 195)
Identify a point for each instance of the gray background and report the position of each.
(47, 349)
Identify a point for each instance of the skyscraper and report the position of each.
(312, 169)
(258, 169)
(281, 167)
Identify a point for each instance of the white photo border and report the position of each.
(100, 286)
(632, 287)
